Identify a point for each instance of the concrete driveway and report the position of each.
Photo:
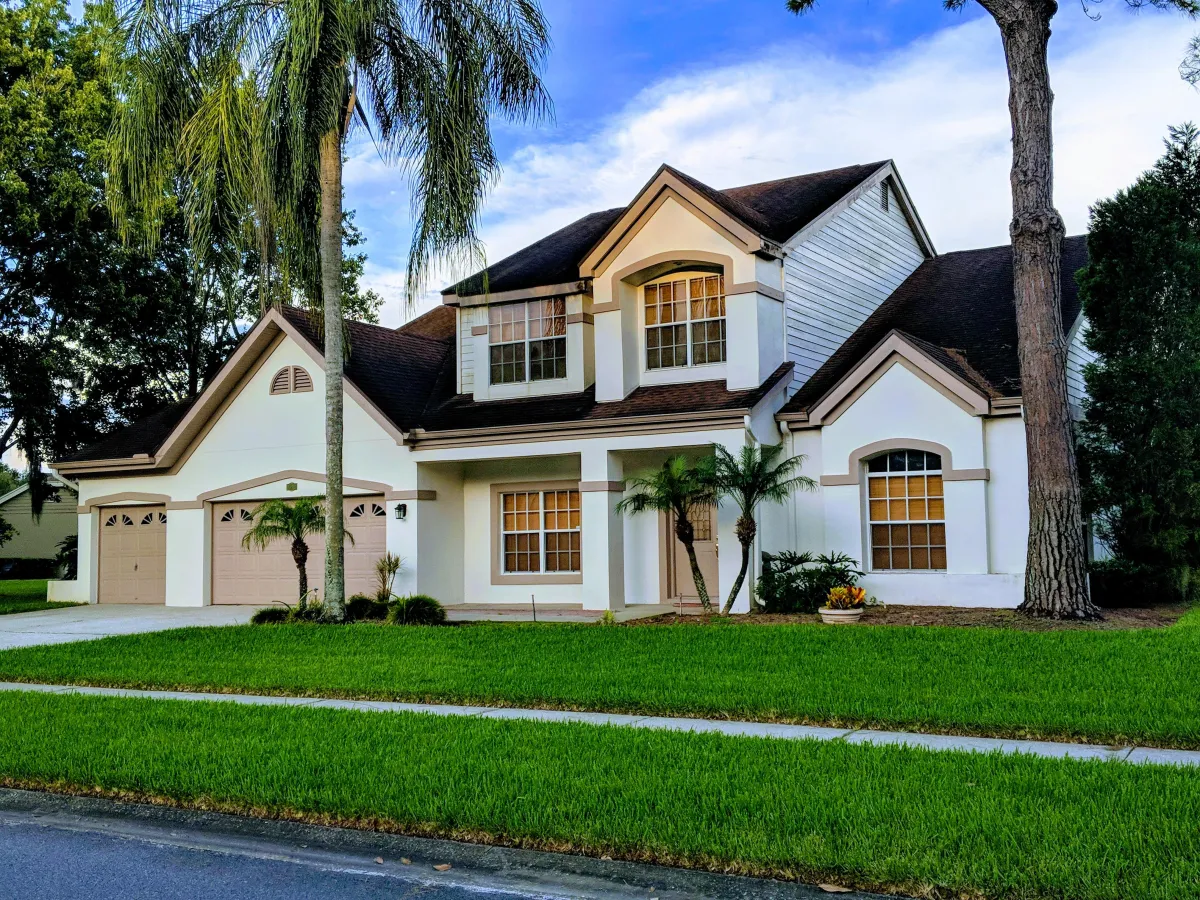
(85, 623)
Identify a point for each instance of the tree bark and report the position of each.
(746, 529)
(686, 535)
(300, 557)
(1056, 569)
(331, 298)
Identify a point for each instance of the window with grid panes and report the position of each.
(528, 341)
(540, 532)
(906, 511)
(685, 321)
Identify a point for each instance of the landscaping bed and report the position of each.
(25, 595)
(1156, 616)
(1132, 686)
(882, 818)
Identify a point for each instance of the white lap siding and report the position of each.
(1078, 356)
(837, 277)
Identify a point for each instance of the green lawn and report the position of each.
(25, 595)
(875, 817)
(1101, 686)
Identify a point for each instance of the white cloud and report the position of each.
(938, 107)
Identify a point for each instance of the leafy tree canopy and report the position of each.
(1141, 294)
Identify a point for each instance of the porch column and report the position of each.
(601, 488)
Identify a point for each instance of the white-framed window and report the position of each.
(540, 532)
(685, 321)
(906, 511)
(528, 341)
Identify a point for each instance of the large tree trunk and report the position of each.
(331, 298)
(1056, 568)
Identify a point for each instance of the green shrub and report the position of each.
(1119, 582)
(418, 609)
(361, 608)
(272, 615)
(800, 582)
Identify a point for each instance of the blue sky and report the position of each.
(737, 92)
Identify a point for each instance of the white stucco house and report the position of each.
(488, 442)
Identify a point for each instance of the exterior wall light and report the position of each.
(401, 511)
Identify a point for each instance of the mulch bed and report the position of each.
(1158, 616)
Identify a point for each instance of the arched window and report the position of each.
(685, 321)
(291, 380)
(906, 511)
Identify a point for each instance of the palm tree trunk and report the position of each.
(331, 298)
(698, 577)
(300, 557)
(1056, 568)
(746, 529)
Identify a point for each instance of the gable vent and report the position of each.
(301, 380)
(280, 383)
(883, 196)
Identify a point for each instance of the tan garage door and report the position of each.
(262, 577)
(133, 554)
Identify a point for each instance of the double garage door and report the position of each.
(262, 577)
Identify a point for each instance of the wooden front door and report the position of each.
(680, 584)
(133, 554)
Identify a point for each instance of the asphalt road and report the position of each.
(45, 863)
(60, 848)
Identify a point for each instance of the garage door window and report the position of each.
(375, 511)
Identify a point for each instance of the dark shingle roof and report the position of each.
(957, 307)
(461, 411)
(143, 436)
(396, 369)
(552, 260)
(774, 209)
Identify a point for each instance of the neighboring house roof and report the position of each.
(957, 308)
(776, 210)
(21, 489)
(462, 412)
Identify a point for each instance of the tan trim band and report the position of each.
(600, 487)
(530, 293)
(610, 306)
(411, 495)
(126, 497)
(584, 318)
(857, 457)
(478, 330)
(291, 475)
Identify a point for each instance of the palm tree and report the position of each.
(755, 474)
(677, 488)
(253, 100)
(295, 520)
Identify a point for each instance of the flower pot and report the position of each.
(840, 616)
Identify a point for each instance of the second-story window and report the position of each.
(528, 341)
(685, 322)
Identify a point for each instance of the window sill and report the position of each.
(520, 578)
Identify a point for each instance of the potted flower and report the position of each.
(844, 606)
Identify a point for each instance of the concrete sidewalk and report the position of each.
(1047, 749)
(84, 623)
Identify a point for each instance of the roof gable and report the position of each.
(958, 308)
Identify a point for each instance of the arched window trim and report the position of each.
(905, 510)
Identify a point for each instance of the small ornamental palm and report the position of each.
(755, 474)
(294, 520)
(676, 488)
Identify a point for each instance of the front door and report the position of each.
(680, 583)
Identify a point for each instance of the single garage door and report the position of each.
(261, 577)
(133, 554)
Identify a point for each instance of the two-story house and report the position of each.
(489, 442)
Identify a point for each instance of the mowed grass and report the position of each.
(25, 595)
(1128, 686)
(873, 817)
